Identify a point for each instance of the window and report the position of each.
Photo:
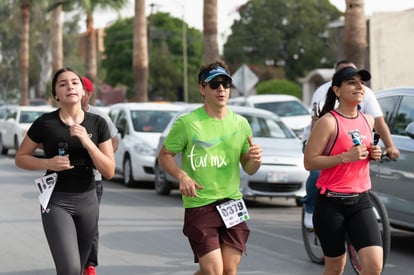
(284, 108)
(267, 127)
(404, 116)
(387, 106)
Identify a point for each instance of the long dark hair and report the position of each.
(329, 102)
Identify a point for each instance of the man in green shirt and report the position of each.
(214, 141)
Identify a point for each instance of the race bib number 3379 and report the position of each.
(233, 212)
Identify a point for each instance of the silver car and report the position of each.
(281, 174)
(393, 181)
(139, 125)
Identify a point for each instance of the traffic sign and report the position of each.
(244, 79)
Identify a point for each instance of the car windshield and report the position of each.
(3, 113)
(29, 116)
(150, 120)
(267, 127)
(284, 108)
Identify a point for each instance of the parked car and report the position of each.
(140, 126)
(289, 108)
(281, 174)
(5, 110)
(16, 123)
(393, 181)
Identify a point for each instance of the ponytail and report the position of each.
(329, 102)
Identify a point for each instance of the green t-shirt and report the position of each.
(211, 151)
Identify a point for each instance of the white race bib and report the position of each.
(233, 212)
(46, 185)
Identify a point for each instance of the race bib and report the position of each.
(233, 212)
(46, 185)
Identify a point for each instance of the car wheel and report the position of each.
(3, 150)
(127, 173)
(299, 202)
(162, 186)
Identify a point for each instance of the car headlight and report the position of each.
(144, 149)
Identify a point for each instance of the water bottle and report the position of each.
(62, 148)
(356, 137)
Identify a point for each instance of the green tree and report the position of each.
(166, 57)
(279, 86)
(9, 51)
(288, 33)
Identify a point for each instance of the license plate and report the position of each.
(277, 177)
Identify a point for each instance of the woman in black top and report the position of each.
(74, 143)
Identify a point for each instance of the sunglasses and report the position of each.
(214, 84)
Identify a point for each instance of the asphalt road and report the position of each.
(141, 233)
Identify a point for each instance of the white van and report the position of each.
(289, 108)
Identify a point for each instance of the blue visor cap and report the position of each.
(209, 75)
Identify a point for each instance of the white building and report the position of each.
(389, 56)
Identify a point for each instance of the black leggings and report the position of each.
(69, 224)
(334, 218)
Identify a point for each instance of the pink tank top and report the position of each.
(352, 177)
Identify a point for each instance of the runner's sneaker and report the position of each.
(90, 270)
(308, 220)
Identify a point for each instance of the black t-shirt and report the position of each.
(55, 137)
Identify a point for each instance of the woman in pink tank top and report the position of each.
(340, 145)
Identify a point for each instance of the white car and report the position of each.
(289, 108)
(5, 110)
(16, 123)
(281, 174)
(140, 126)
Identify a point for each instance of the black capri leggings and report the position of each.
(69, 224)
(335, 217)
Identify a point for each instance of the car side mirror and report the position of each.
(410, 130)
(121, 131)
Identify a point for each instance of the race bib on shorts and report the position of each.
(233, 212)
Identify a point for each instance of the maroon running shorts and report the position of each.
(206, 231)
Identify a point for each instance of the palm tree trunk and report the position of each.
(24, 57)
(57, 42)
(57, 37)
(211, 51)
(355, 32)
(140, 54)
(90, 53)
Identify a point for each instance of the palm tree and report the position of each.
(89, 6)
(140, 54)
(24, 56)
(355, 32)
(211, 52)
(57, 37)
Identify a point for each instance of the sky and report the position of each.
(192, 11)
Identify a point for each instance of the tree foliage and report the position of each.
(9, 51)
(39, 48)
(287, 33)
(166, 56)
(279, 86)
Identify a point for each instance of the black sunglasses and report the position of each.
(214, 84)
